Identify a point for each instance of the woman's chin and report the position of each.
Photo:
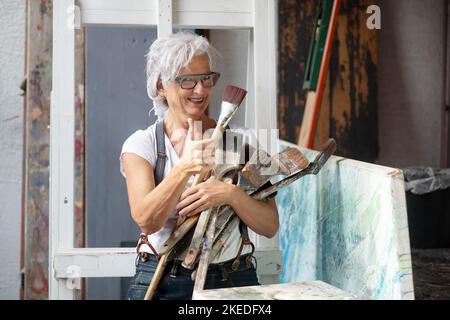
(195, 111)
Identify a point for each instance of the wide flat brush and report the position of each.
(262, 167)
(313, 168)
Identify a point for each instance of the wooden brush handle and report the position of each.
(199, 177)
(165, 251)
(156, 277)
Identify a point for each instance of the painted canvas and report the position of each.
(347, 227)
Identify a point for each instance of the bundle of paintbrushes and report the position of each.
(232, 99)
(254, 176)
(258, 170)
(214, 226)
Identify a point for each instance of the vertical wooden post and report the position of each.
(264, 61)
(262, 74)
(79, 178)
(35, 240)
(250, 108)
(37, 119)
(62, 136)
(164, 17)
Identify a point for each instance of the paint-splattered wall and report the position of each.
(349, 108)
(37, 149)
(37, 137)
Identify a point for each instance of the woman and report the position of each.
(180, 81)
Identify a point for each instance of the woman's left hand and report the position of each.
(208, 194)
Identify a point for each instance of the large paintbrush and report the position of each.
(312, 168)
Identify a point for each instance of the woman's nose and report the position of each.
(199, 88)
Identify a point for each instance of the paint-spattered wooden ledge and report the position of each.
(310, 290)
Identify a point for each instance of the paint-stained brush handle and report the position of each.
(328, 149)
(197, 180)
(194, 249)
(313, 168)
(179, 233)
(156, 279)
(202, 269)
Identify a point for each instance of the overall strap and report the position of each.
(159, 174)
(243, 229)
(161, 152)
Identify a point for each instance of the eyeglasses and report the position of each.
(189, 81)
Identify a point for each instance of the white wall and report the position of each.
(411, 81)
(232, 65)
(12, 37)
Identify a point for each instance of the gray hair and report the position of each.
(166, 57)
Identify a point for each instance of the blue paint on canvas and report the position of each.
(348, 227)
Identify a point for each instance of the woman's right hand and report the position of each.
(198, 153)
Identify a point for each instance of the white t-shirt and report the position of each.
(143, 144)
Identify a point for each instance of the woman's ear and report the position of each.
(160, 88)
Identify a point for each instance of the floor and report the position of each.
(431, 273)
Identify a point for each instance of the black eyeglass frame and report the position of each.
(196, 78)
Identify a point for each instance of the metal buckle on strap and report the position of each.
(143, 239)
(223, 273)
(144, 256)
(248, 261)
(235, 265)
(174, 271)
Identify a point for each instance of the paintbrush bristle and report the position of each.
(232, 98)
(234, 95)
(327, 151)
(330, 146)
(291, 160)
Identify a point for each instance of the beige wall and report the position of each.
(411, 81)
(232, 64)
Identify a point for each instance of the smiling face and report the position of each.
(189, 103)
